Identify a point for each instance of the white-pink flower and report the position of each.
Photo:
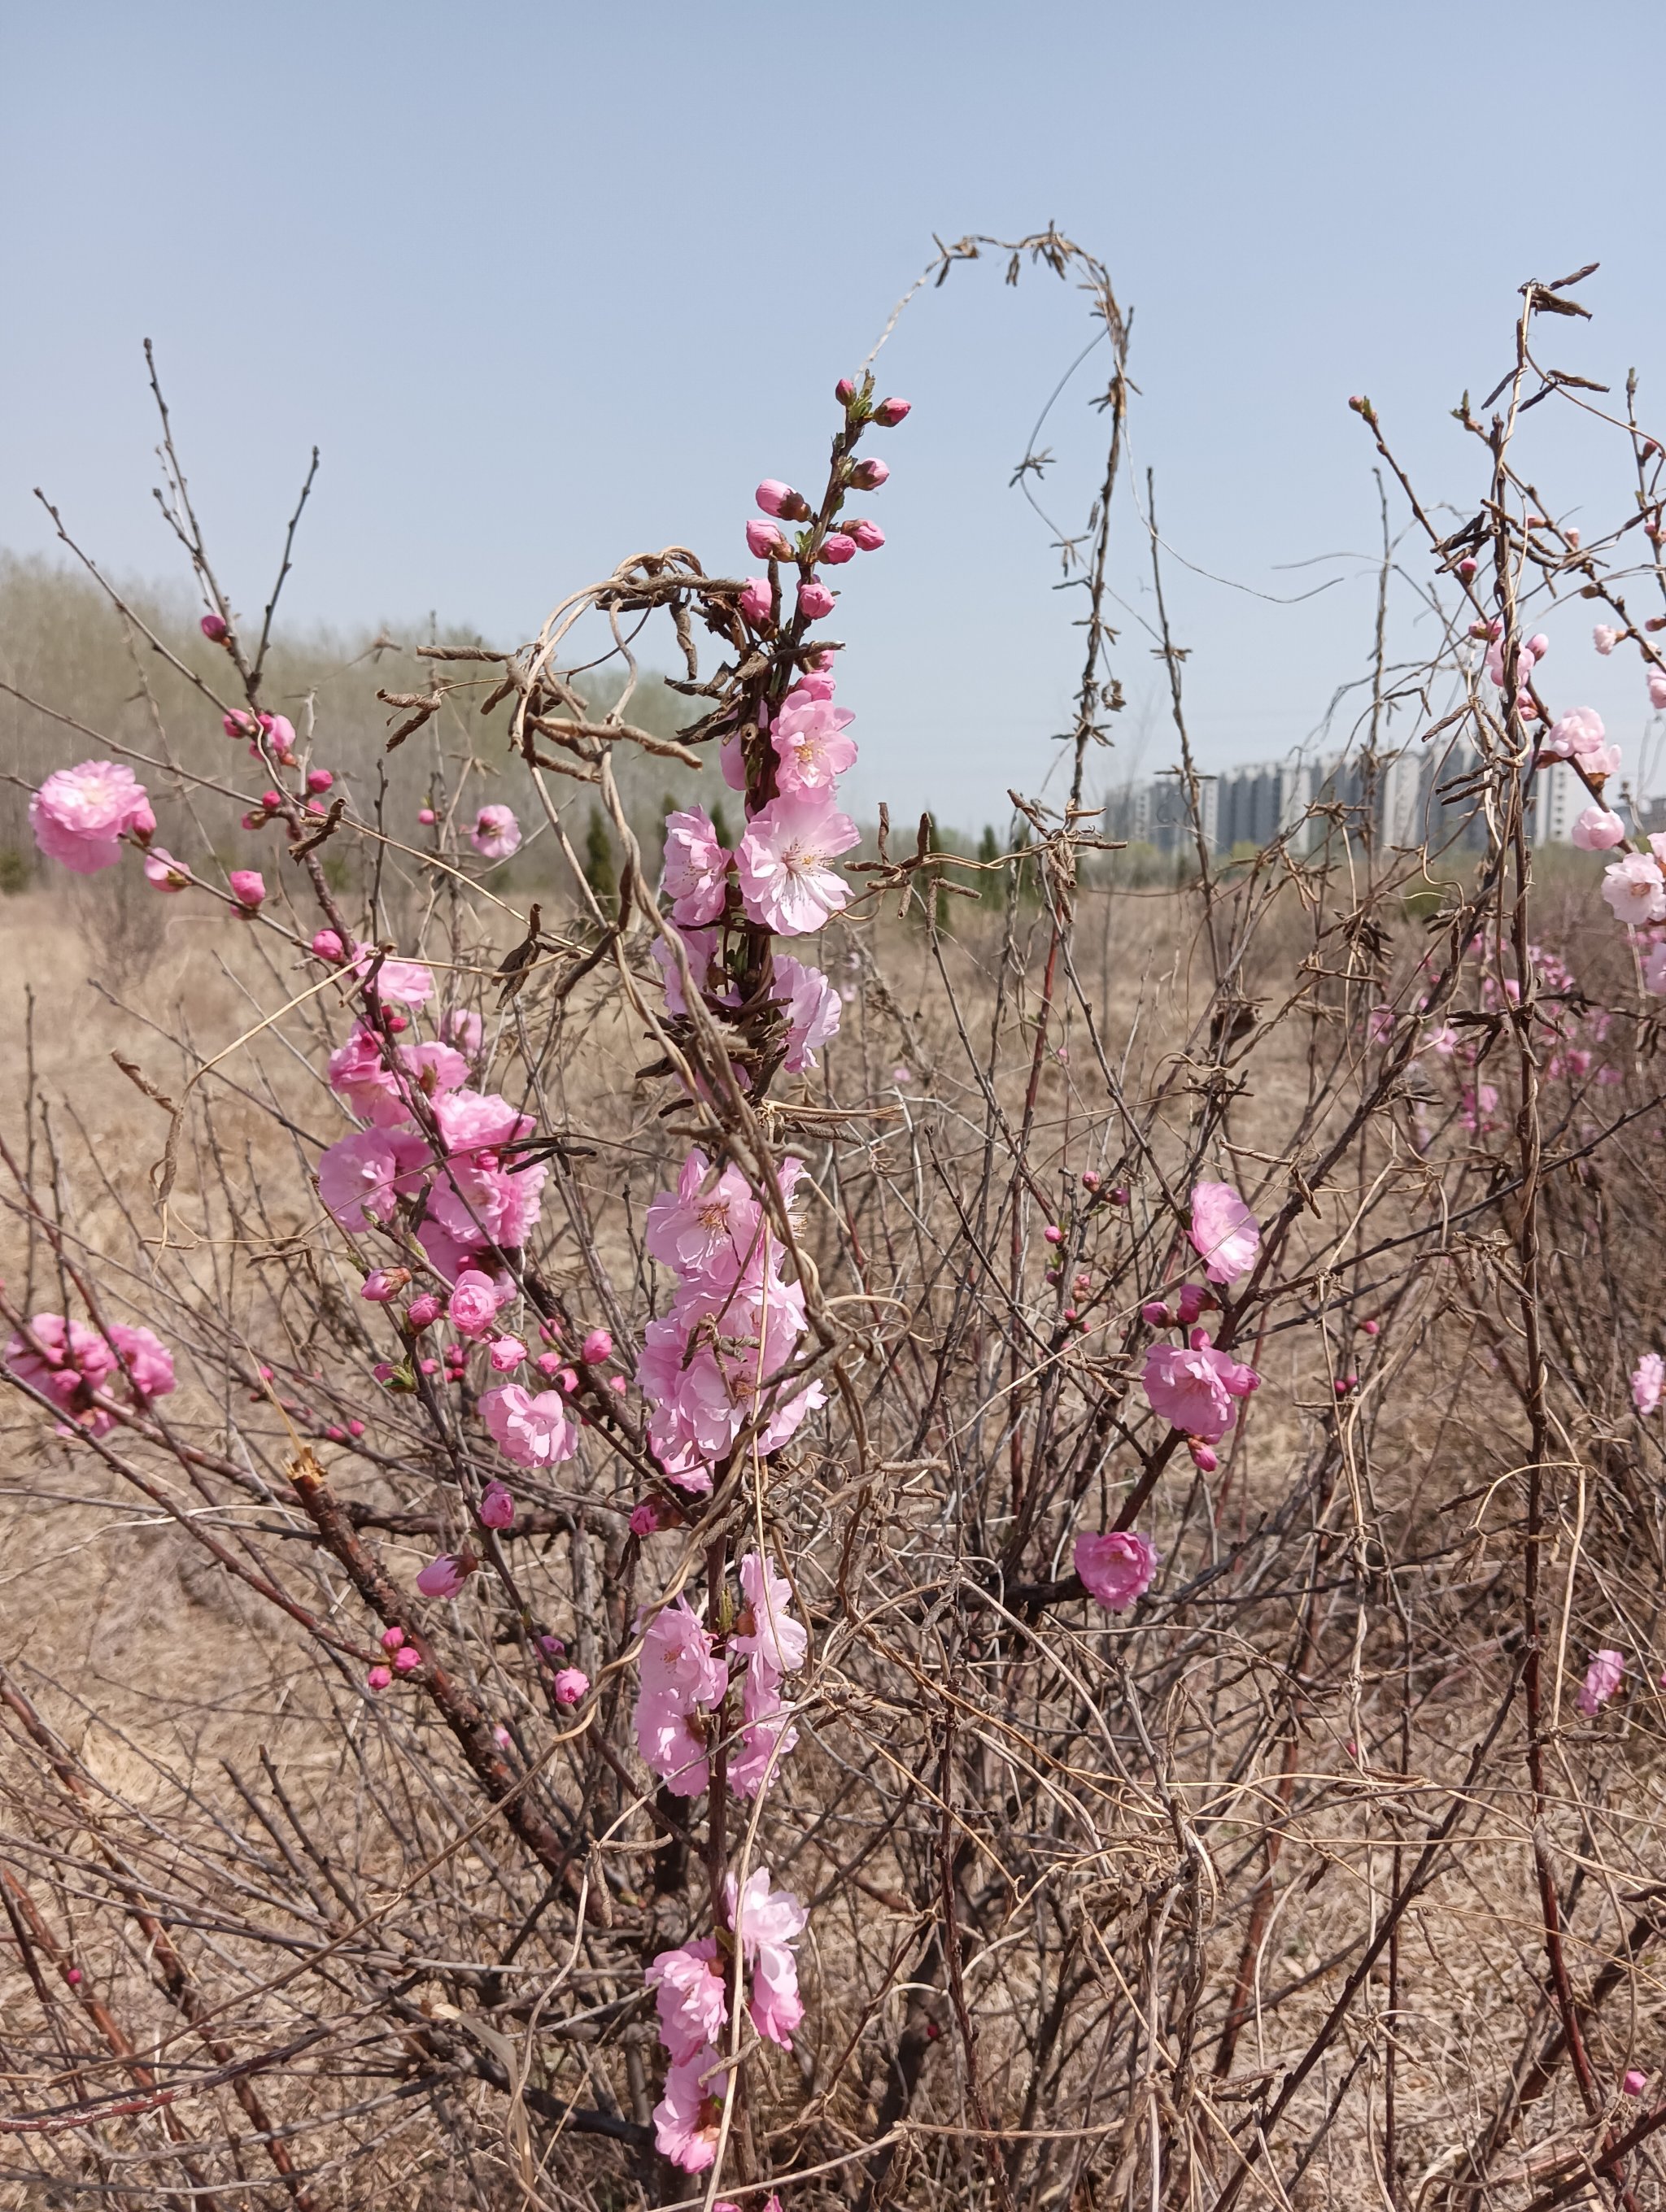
(1224, 1232)
(691, 2001)
(767, 1738)
(766, 1629)
(788, 883)
(811, 745)
(767, 1923)
(496, 834)
(1648, 1383)
(813, 1010)
(1573, 735)
(1635, 889)
(687, 2119)
(533, 1431)
(1604, 639)
(79, 815)
(696, 870)
(1598, 830)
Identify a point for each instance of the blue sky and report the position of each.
(551, 285)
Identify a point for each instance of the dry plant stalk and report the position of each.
(1302, 1855)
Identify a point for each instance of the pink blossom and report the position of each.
(811, 745)
(815, 600)
(813, 1010)
(677, 1655)
(1194, 1386)
(1602, 1678)
(767, 1738)
(445, 1575)
(148, 1363)
(359, 1176)
(572, 1685)
(505, 1354)
(780, 500)
(690, 1998)
(696, 868)
(1648, 1383)
(698, 947)
(474, 1303)
(1116, 1568)
(79, 815)
(533, 1431)
(496, 834)
(703, 1232)
(1635, 890)
(786, 882)
(687, 2118)
(461, 1028)
(1573, 735)
(764, 542)
(1223, 1232)
(248, 888)
(756, 602)
(766, 1629)
(497, 1507)
(866, 536)
(73, 1361)
(1604, 639)
(406, 982)
(1597, 829)
(164, 871)
(767, 1923)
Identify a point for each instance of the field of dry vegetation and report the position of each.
(1315, 1876)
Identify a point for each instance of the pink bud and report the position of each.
(1155, 1314)
(1466, 568)
(235, 725)
(1538, 644)
(445, 1575)
(377, 1678)
(1053, 1233)
(215, 628)
(844, 391)
(571, 1684)
(1203, 1458)
(319, 779)
(497, 1507)
(1070, 1315)
(617, 1383)
(890, 412)
(423, 1312)
(1635, 2083)
(326, 945)
(393, 1639)
(1082, 1283)
(1370, 1328)
(1189, 1304)
(407, 1660)
(548, 1364)
(836, 549)
(425, 815)
(72, 1975)
(356, 1428)
(645, 1518)
(551, 1647)
(868, 476)
(568, 1380)
(765, 543)
(596, 1347)
(385, 1284)
(501, 1738)
(1120, 1196)
(779, 499)
(506, 1353)
(383, 1370)
(868, 536)
(1090, 1178)
(815, 600)
(756, 603)
(247, 888)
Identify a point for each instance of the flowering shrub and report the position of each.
(879, 1562)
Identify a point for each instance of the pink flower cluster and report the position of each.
(691, 1986)
(79, 815)
(73, 1361)
(683, 1684)
(708, 1365)
(466, 1202)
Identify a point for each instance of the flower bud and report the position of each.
(645, 1518)
(571, 1685)
(1370, 1328)
(765, 542)
(319, 779)
(407, 1659)
(247, 888)
(385, 1284)
(422, 1313)
(844, 391)
(1053, 1233)
(1466, 568)
(1203, 1459)
(868, 536)
(890, 412)
(236, 725)
(215, 628)
(1091, 1178)
(377, 1678)
(780, 499)
(836, 549)
(426, 815)
(497, 1507)
(1155, 1314)
(1120, 1196)
(756, 602)
(815, 600)
(596, 1346)
(1189, 1304)
(868, 476)
(393, 1639)
(506, 1353)
(326, 945)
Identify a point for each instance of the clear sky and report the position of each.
(550, 285)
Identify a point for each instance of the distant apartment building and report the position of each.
(1407, 796)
